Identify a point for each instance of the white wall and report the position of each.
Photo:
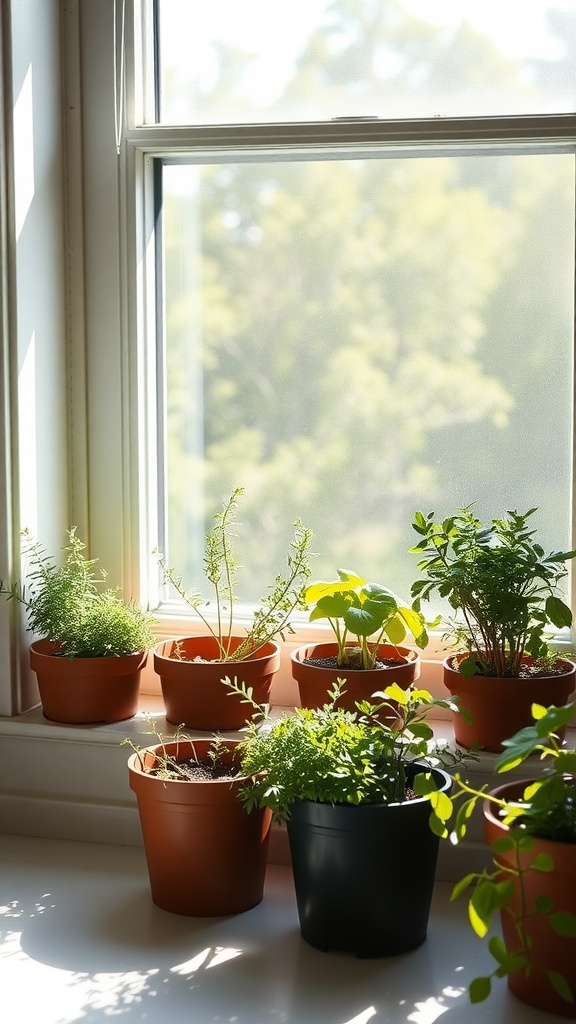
(35, 342)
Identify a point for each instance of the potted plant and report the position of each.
(191, 669)
(206, 855)
(505, 593)
(362, 616)
(93, 644)
(354, 793)
(530, 826)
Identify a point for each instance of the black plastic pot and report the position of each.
(364, 875)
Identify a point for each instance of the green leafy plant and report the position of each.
(70, 605)
(363, 610)
(546, 810)
(272, 618)
(499, 581)
(341, 757)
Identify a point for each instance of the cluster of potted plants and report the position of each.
(355, 763)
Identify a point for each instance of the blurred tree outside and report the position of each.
(351, 339)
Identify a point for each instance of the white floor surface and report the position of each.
(81, 940)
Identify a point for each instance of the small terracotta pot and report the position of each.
(554, 952)
(84, 691)
(206, 855)
(193, 692)
(314, 681)
(500, 707)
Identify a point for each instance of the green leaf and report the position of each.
(365, 620)
(462, 885)
(479, 990)
(558, 612)
(542, 862)
(437, 827)
(415, 623)
(498, 949)
(395, 630)
(558, 982)
(564, 923)
(468, 667)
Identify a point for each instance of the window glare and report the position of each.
(231, 62)
(352, 340)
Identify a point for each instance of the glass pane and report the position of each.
(231, 62)
(353, 340)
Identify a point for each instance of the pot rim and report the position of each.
(136, 757)
(52, 654)
(257, 656)
(408, 655)
(570, 670)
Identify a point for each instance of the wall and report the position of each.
(34, 289)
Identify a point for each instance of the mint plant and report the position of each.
(272, 618)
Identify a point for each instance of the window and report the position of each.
(361, 267)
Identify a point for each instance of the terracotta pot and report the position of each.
(314, 681)
(83, 691)
(554, 952)
(193, 692)
(206, 855)
(364, 874)
(500, 707)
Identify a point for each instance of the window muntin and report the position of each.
(228, 62)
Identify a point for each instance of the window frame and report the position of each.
(118, 229)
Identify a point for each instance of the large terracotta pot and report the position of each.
(364, 874)
(552, 951)
(314, 681)
(193, 692)
(206, 855)
(500, 707)
(84, 691)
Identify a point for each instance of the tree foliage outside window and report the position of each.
(350, 339)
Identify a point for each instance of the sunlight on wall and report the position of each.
(27, 405)
(23, 152)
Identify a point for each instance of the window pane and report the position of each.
(255, 61)
(352, 340)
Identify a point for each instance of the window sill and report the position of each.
(70, 782)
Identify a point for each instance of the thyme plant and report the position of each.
(504, 589)
(272, 618)
(70, 605)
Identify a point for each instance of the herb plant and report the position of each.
(341, 757)
(497, 578)
(359, 609)
(272, 618)
(70, 605)
(547, 810)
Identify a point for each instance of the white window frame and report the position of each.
(113, 465)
